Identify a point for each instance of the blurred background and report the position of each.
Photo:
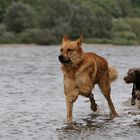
(45, 21)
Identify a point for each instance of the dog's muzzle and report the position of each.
(63, 60)
(127, 80)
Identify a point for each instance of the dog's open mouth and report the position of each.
(128, 82)
(63, 60)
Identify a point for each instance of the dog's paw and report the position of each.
(69, 122)
(114, 114)
(93, 107)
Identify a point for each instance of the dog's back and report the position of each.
(102, 66)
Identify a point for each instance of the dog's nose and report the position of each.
(60, 58)
(124, 79)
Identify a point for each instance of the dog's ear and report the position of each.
(80, 40)
(65, 38)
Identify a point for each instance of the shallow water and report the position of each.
(32, 103)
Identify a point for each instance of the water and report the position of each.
(32, 103)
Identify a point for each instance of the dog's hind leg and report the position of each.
(104, 85)
(93, 105)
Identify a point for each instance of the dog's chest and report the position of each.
(138, 94)
(138, 85)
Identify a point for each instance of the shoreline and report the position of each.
(84, 45)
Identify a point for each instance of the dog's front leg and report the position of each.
(139, 105)
(69, 106)
(133, 95)
(70, 99)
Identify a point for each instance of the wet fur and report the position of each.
(133, 76)
(81, 72)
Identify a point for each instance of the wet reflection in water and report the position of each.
(32, 103)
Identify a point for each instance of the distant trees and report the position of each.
(46, 21)
(126, 31)
(18, 17)
(81, 21)
(3, 6)
(55, 17)
(135, 2)
(125, 7)
(102, 24)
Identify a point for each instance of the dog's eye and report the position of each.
(131, 74)
(61, 50)
(70, 50)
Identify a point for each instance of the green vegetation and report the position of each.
(46, 21)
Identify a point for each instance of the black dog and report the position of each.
(133, 76)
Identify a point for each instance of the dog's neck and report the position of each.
(78, 61)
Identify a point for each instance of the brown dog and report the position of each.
(81, 72)
(133, 76)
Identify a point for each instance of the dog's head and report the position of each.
(131, 76)
(70, 51)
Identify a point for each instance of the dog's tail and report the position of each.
(113, 74)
